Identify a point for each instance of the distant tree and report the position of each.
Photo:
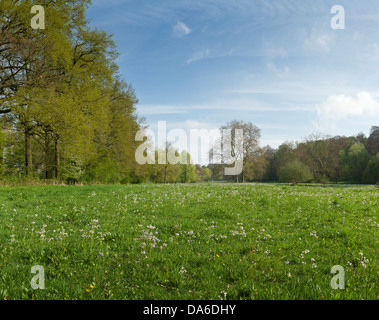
(371, 173)
(173, 173)
(171, 170)
(269, 155)
(187, 171)
(355, 160)
(372, 143)
(206, 174)
(217, 171)
(251, 136)
(361, 137)
(320, 156)
(295, 172)
(336, 145)
(258, 167)
(285, 153)
(203, 173)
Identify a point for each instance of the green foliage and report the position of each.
(188, 172)
(102, 170)
(371, 173)
(295, 172)
(14, 153)
(372, 143)
(72, 171)
(356, 159)
(205, 174)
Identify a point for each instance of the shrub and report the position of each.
(323, 179)
(295, 172)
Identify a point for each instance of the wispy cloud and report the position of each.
(280, 72)
(199, 55)
(181, 29)
(320, 41)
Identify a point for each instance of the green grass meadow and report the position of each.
(189, 241)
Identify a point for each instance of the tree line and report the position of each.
(318, 158)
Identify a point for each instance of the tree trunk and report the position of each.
(165, 173)
(47, 157)
(1, 154)
(28, 153)
(1, 162)
(57, 159)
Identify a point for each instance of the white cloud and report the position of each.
(342, 106)
(180, 29)
(347, 111)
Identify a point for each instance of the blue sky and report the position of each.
(276, 63)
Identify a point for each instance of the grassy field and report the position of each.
(201, 241)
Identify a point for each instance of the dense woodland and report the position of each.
(67, 116)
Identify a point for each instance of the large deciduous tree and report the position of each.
(230, 146)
